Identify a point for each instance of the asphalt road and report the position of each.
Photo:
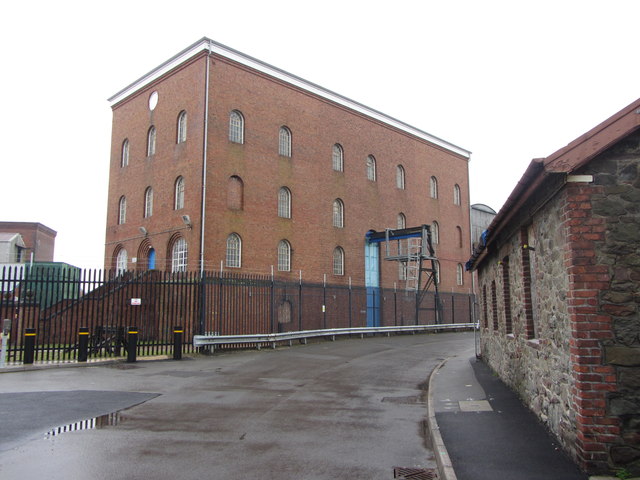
(350, 409)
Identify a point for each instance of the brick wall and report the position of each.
(316, 125)
(184, 89)
(589, 328)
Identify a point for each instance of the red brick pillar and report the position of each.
(590, 326)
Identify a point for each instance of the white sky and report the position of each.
(508, 80)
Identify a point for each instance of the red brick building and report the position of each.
(219, 160)
(559, 282)
(39, 239)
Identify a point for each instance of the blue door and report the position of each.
(372, 282)
(152, 259)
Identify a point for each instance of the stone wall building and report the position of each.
(221, 161)
(559, 285)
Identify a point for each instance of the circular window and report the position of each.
(153, 100)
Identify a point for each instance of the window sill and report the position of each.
(534, 343)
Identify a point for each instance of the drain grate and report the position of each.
(414, 473)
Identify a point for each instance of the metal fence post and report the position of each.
(177, 342)
(6, 330)
(272, 301)
(395, 304)
(202, 302)
(324, 302)
(132, 344)
(29, 345)
(83, 344)
(350, 305)
(300, 303)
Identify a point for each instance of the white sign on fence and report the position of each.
(136, 301)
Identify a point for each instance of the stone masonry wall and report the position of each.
(537, 365)
(618, 204)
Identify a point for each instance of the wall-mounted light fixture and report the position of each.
(187, 221)
(143, 231)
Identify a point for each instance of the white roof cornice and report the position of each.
(206, 44)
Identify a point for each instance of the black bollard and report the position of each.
(29, 345)
(177, 342)
(83, 344)
(132, 344)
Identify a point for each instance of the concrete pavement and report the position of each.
(347, 409)
(486, 431)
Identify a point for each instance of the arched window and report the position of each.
(338, 158)
(456, 194)
(235, 193)
(436, 265)
(124, 158)
(122, 210)
(433, 187)
(400, 177)
(234, 251)
(371, 168)
(284, 203)
(122, 260)
(338, 261)
(179, 194)
(179, 256)
(285, 142)
(284, 256)
(148, 202)
(402, 220)
(435, 233)
(459, 274)
(151, 141)
(182, 127)
(151, 259)
(459, 230)
(236, 127)
(338, 213)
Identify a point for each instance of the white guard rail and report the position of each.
(273, 338)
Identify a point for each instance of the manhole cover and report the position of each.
(414, 473)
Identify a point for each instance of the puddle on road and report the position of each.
(102, 421)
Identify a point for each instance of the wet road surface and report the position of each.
(350, 409)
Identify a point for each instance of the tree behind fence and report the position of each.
(57, 302)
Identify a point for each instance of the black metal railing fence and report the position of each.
(56, 303)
